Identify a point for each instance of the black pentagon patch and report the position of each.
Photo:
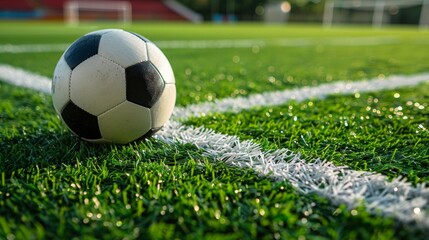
(144, 84)
(84, 124)
(82, 49)
(140, 36)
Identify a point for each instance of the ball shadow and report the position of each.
(46, 149)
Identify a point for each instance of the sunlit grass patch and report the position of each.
(383, 132)
(54, 185)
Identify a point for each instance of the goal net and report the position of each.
(76, 10)
(371, 11)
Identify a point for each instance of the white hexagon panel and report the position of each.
(125, 123)
(131, 51)
(97, 85)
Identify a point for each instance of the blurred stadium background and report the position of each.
(328, 12)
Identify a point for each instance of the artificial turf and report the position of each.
(53, 185)
(384, 132)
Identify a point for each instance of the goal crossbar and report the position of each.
(72, 8)
(378, 6)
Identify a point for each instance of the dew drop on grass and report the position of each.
(196, 208)
(217, 214)
(417, 211)
(236, 59)
(188, 71)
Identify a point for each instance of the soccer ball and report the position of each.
(113, 86)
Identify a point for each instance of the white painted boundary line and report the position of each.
(274, 98)
(216, 44)
(397, 198)
(32, 48)
(339, 184)
(24, 78)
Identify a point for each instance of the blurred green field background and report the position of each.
(343, 53)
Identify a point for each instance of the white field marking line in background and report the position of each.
(289, 42)
(340, 184)
(32, 48)
(280, 97)
(24, 78)
(215, 44)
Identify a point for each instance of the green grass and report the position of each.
(384, 132)
(52, 185)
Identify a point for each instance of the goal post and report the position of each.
(73, 8)
(377, 7)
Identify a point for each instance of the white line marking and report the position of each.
(32, 48)
(215, 44)
(340, 184)
(24, 78)
(205, 44)
(337, 41)
(280, 97)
